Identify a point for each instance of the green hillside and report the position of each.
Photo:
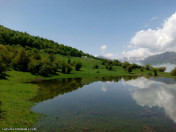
(24, 58)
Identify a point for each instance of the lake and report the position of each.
(107, 104)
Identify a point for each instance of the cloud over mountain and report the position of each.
(154, 41)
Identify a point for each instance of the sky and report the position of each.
(110, 28)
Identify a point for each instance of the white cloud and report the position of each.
(140, 52)
(154, 18)
(149, 42)
(111, 56)
(154, 93)
(103, 48)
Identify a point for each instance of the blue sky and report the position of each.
(87, 24)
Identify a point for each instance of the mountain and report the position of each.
(132, 59)
(164, 58)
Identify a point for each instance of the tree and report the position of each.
(63, 67)
(69, 68)
(147, 67)
(69, 61)
(21, 60)
(173, 72)
(2, 67)
(96, 66)
(130, 68)
(125, 64)
(155, 72)
(161, 69)
(78, 65)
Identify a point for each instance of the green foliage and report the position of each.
(142, 69)
(69, 68)
(150, 74)
(125, 64)
(130, 68)
(109, 67)
(5, 59)
(173, 72)
(155, 72)
(78, 65)
(21, 60)
(11, 37)
(69, 60)
(161, 69)
(95, 66)
(147, 67)
(116, 63)
(63, 67)
(2, 66)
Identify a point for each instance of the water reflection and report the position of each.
(150, 92)
(52, 88)
(106, 104)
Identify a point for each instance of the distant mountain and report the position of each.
(132, 59)
(102, 57)
(167, 57)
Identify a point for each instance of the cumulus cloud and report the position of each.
(154, 41)
(111, 56)
(103, 48)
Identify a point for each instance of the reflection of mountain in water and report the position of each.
(155, 93)
(164, 80)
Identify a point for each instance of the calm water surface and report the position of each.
(107, 104)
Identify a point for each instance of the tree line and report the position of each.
(21, 59)
(11, 37)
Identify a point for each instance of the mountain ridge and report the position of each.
(163, 58)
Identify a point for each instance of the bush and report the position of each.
(46, 69)
(150, 74)
(173, 72)
(78, 65)
(125, 64)
(142, 70)
(21, 60)
(130, 68)
(69, 68)
(147, 67)
(96, 66)
(162, 69)
(155, 72)
(63, 67)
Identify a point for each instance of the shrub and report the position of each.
(142, 70)
(150, 74)
(155, 72)
(96, 66)
(63, 67)
(162, 69)
(78, 65)
(130, 68)
(173, 72)
(69, 68)
(125, 64)
(147, 67)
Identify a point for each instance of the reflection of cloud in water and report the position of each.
(169, 66)
(103, 88)
(154, 93)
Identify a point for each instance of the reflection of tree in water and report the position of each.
(52, 88)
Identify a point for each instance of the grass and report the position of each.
(15, 97)
(15, 94)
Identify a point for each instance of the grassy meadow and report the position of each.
(16, 92)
